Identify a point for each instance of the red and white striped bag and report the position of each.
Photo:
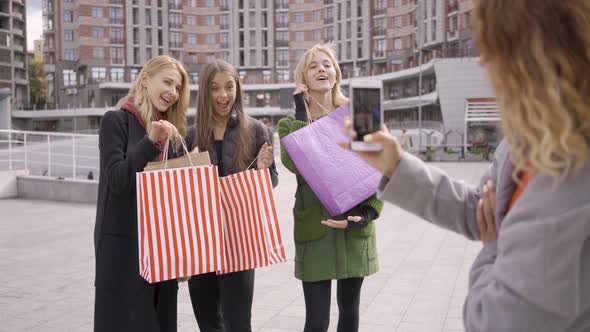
(180, 223)
(252, 235)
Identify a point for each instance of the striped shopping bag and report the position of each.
(251, 227)
(180, 222)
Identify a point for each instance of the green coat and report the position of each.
(322, 252)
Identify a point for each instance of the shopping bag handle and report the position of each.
(185, 148)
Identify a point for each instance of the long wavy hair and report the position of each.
(338, 97)
(207, 117)
(537, 53)
(176, 112)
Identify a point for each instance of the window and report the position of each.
(379, 48)
(210, 3)
(299, 18)
(175, 40)
(317, 16)
(282, 58)
(148, 17)
(133, 73)
(96, 11)
(191, 20)
(116, 16)
(210, 58)
(68, 35)
(69, 54)
(299, 36)
(193, 77)
(224, 39)
(282, 20)
(97, 32)
(252, 19)
(117, 75)
(68, 16)
(252, 58)
(317, 35)
(265, 58)
(98, 52)
(223, 21)
(99, 74)
(175, 20)
(209, 20)
(210, 39)
(116, 35)
(117, 55)
(193, 3)
(283, 76)
(192, 39)
(397, 43)
(283, 35)
(192, 57)
(397, 3)
(69, 77)
(397, 22)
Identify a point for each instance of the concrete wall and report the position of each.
(5, 108)
(8, 183)
(45, 188)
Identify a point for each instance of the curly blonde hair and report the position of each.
(538, 57)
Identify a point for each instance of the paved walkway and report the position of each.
(47, 271)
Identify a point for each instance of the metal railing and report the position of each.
(50, 154)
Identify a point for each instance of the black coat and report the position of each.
(124, 301)
(231, 144)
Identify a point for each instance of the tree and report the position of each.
(37, 84)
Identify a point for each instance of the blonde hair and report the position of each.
(206, 115)
(538, 56)
(176, 112)
(337, 97)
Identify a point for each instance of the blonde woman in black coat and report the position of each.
(153, 111)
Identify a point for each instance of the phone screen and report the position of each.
(366, 111)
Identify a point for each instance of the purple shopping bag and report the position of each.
(339, 178)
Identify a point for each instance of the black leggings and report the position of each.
(223, 302)
(317, 304)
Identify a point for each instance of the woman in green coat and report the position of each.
(344, 247)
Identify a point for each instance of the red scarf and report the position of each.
(129, 106)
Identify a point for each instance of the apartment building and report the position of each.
(13, 51)
(95, 48)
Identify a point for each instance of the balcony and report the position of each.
(175, 45)
(174, 6)
(452, 7)
(328, 20)
(17, 31)
(177, 26)
(452, 35)
(116, 20)
(282, 25)
(18, 1)
(224, 45)
(379, 31)
(224, 26)
(282, 5)
(380, 11)
(378, 54)
(19, 64)
(117, 41)
(17, 15)
(282, 43)
(19, 48)
(224, 7)
(116, 2)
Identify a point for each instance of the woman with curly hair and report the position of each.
(533, 273)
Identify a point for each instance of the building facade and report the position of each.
(13, 51)
(91, 46)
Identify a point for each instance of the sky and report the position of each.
(34, 22)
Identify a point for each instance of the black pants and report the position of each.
(317, 304)
(223, 302)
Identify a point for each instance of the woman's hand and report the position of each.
(159, 130)
(301, 88)
(341, 223)
(265, 157)
(485, 214)
(387, 159)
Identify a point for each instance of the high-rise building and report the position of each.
(13, 51)
(94, 49)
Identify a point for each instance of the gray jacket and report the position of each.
(536, 276)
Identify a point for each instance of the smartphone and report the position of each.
(366, 115)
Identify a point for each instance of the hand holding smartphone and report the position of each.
(367, 117)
